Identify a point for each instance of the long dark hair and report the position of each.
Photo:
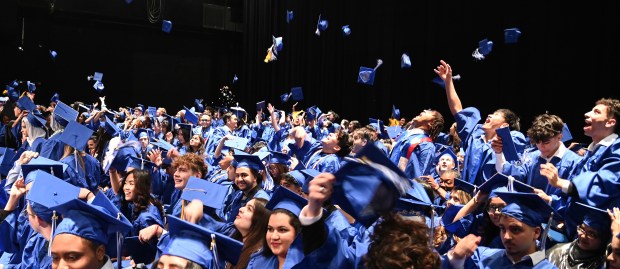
(255, 238)
(142, 193)
(293, 221)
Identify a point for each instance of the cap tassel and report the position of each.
(379, 63)
(543, 240)
(54, 220)
(119, 246)
(511, 181)
(214, 250)
(432, 231)
(52, 171)
(76, 159)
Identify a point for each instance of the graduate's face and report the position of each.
(280, 234)
(358, 143)
(243, 220)
(549, 146)
(171, 262)
(518, 238)
(205, 121)
(445, 163)
(588, 238)
(244, 179)
(195, 141)
(496, 205)
(24, 129)
(181, 176)
(330, 141)
(129, 188)
(598, 122)
(72, 251)
(613, 259)
(144, 141)
(494, 121)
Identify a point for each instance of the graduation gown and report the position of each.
(490, 258)
(89, 177)
(53, 148)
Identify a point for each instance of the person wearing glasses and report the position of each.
(205, 128)
(588, 249)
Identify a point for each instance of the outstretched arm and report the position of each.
(444, 71)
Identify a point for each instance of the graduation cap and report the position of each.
(593, 217)
(286, 199)
(289, 16)
(55, 98)
(191, 116)
(48, 191)
(309, 173)
(36, 119)
(121, 156)
(566, 135)
(185, 126)
(260, 106)
(379, 126)
(405, 61)
(110, 127)
(25, 103)
(98, 86)
(449, 152)
(508, 146)
(321, 25)
(52, 167)
(195, 243)
(297, 93)
(250, 161)
(63, 113)
(279, 157)
(368, 189)
(198, 105)
(511, 35)
(76, 135)
(139, 163)
(31, 87)
(94, 222)
(210, 194)
(461, 227)
(394, 131)
(528, 208)
(313, 112)
(484, 48)
(395, 112)
(239, 111)
(162, 144)
(278, 45)
(413, 208)
(138, 251)
(346, 31)
(500, 180)
(465, 186)
(6, 160)
(53, 54)
(237, 143)
(235, 79)
(166, 26)
(366, 75)
(152, 111)
(299, 177)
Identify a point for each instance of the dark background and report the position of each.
(566, 59)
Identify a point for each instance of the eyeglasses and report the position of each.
(588, 234)
(494, 209)
(204, 119)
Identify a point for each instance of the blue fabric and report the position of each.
(491, 258)
(53, 148)
(218, 134)
(35, 253)
(240, 201)
(323, 162)
(36, 146)
(89, 177)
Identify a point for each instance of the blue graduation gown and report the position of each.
(239, 201)
(145, 219)
(492, 258)
(218, 134)
(36, 146)
(35, 253)
(78, 177)
(323, 162)
(479, 156)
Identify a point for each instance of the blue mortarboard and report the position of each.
(52, 167)
(48, 191)
(191, 116)
(31, 87)
(321, 25)
(36, 119)
(371, 153)
(284, 97)
(448, 151)
(297, 94)
(464, 185)
(379, 125)
(310, 174)
(286, 199)
(193, 242)
(185, 126)
(55, 98)
(405, 61)
(299, 177)
(249, 161)
(198, 105)
(53, 54)
(528, 208)
(63, 113)
(278, 45)
(484, 48)
(98, 86)
(511, 35)
(93, 221)
(110, 127)
(566, 135)
(152, 111)
(11, 92)
(346, 30)
(366, 190)
(500, 180)
(239, 111)
(98, 76)
(121, 156)
(76, 135)
(460, 227)
(141, 132)
(595, 218)
(394, 131)
(237, 143)
(211, 194)
(25, 103)
(6, 160)
(289, 16)
(395, 112)
(509, 148)
(279, 157)
(260, 106)
(166, 26)
(366, 76)
(162, 144)
(413, 208)
(139, 163)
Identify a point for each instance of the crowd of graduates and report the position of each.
(87, 186)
